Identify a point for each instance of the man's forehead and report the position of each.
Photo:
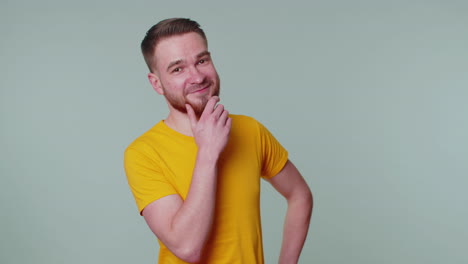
(179, 47)
(177, 43)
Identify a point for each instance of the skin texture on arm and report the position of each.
(289, 183)
(184, 226)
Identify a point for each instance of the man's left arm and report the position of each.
(289, 183)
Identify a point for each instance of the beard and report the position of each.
(198, 104)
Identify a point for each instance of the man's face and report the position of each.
(185, 73)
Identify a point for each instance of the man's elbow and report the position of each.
(308, 198)
(311, 201)
(303, 197)
(189, 254)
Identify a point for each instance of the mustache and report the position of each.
(197, 87)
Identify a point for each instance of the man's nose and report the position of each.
(196, 76)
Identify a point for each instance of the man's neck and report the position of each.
(179, 122)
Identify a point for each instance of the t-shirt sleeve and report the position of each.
(273, 155)
(145, 177)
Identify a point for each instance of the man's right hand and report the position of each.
(211, 131)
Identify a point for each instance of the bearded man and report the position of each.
(196, 174)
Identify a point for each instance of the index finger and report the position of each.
(210, 105)
(191, 115)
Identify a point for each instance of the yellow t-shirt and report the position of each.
(161, 161)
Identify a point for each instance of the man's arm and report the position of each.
(184, 226)
(293, 187)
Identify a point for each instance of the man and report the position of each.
(196, 175)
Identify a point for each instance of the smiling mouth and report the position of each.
(201, 90)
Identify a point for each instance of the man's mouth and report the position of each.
(201, 89)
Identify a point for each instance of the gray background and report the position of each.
(369, 97)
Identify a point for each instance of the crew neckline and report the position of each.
(173, 132)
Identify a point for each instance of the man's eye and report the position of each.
(201, 61)
(176, 70)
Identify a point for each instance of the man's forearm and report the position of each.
(296, 226)
(192, 223)
(184, 225)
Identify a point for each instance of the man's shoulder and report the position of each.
(146, 139)
(243, 119)
(245, 126)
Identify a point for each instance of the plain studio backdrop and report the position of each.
(369, 98)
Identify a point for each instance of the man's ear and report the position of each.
(156, 83)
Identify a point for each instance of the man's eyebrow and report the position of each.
(203, 53)
(176, 62)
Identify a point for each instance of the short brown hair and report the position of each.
(164, 29)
